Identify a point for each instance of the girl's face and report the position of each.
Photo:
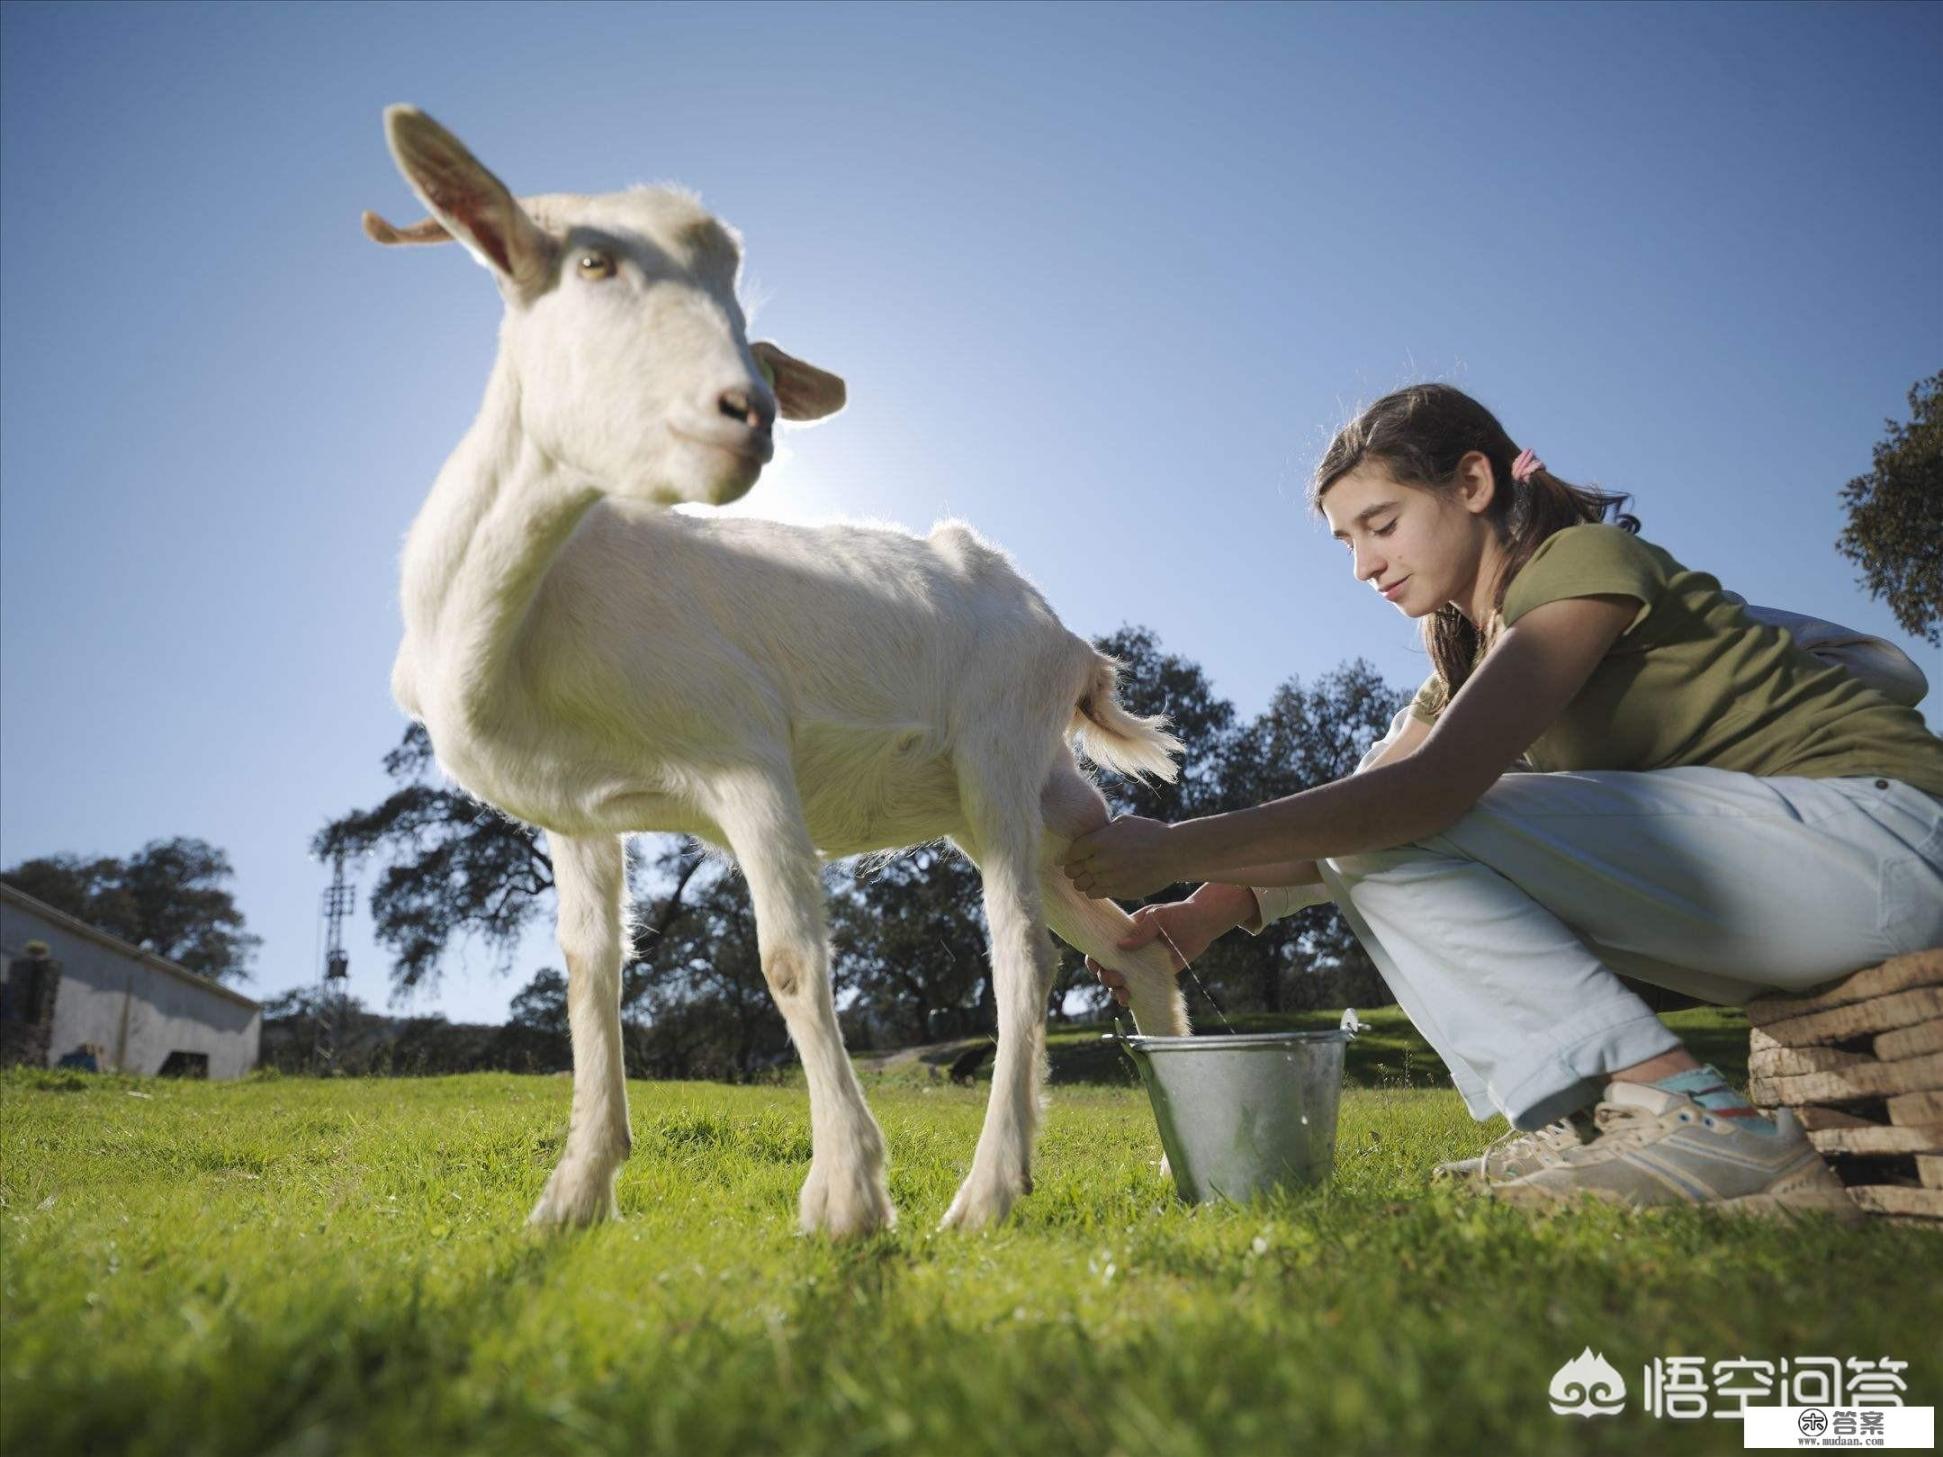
(1420, 549)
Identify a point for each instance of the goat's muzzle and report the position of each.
(754, 408)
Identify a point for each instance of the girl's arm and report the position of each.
(1533, 671)
(1304, 872)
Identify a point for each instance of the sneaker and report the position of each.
(1519, 1152)
(1658, 1148)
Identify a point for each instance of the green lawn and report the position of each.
(296, 1267)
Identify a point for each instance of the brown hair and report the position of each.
(1419, 435)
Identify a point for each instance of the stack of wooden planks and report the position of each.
(1860, 1061)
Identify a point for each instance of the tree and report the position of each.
(1305, 737)
(698, 982)
(168, 898)
(908, 938)
(1895, 530)
(457, 866)
(1156, 681)
(294, 1024)
(541, 1004)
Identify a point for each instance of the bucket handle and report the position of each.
(1351, 1024)
(1120, 1038)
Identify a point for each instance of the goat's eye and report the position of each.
(596, 265)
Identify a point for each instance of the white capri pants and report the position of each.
(1500, 937)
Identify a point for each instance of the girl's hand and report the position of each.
(1128, 857)
(1191, 926)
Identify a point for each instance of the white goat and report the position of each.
(596, 665)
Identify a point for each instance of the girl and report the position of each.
(1713, 810)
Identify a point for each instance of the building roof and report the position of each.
(115, 943)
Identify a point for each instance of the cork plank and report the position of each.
(1815, 1120)
(1913, 1109)
(1869, 1080)
(1929, 1168)
(1898, 974)
(1924, 1138)
(1910, 1041)
(1793, 1062)
(1878, 1014)
(1898, 1199)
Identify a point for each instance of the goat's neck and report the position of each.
(475, 558)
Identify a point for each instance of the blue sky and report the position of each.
(1102, 281)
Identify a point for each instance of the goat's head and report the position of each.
(622, 326)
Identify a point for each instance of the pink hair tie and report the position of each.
(1525, 466)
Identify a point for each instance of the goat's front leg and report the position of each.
(590, 879)
(761, 815)
(1004, 840)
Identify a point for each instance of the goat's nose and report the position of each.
(753, 408)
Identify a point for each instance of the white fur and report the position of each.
(597, 665)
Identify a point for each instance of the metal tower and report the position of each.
(333, 1001)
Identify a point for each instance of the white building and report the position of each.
(139, 1013)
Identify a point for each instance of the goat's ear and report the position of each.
(431, 230)
(466, 202)
(803, 392)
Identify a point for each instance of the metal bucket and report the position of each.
(1244, 1114)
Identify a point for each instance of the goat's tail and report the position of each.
(1115, 739)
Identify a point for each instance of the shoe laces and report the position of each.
(1506, 1140)
(1623, 1120)
(1561, 1133)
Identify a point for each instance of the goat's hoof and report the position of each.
(845, 1200)
(573, 1199)
(985, 1200)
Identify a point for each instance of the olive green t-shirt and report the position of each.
(1693, 680)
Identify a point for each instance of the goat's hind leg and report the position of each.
(761, 814)
(1074, 807)
(589, 875)
(1004, 833)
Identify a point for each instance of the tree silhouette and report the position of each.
(168, 898)
(455, 866)
(1895, 530)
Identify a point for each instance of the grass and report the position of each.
(285, 1266)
